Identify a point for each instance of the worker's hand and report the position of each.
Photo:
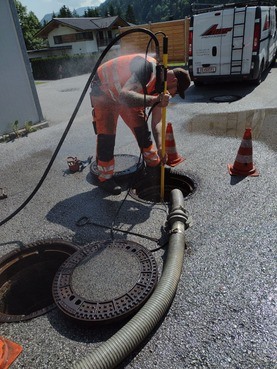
(162, 157)
(163, 99)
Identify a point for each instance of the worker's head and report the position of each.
(178, 80)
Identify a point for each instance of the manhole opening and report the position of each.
(105, 282)
(26, 278)
(225, 98)
(148, 188)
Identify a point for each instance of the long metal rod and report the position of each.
(165, 62)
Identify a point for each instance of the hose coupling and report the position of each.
(179, 214)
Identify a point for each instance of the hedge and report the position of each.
(65, 66)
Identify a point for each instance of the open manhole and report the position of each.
(148, 187)
(225, 98)
(105, 281)
(125, 165)
(26, 278)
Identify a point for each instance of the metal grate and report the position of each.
(114, 308)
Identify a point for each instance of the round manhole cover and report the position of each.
(125, 165)
(105, 281)
(148, 187)
(26, 278)
(225, 98)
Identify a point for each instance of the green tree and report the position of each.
(130, 16)
(119, 12)
(64, 12)
(30, 25)
(90, 12)
(75, 14)
(111, 10)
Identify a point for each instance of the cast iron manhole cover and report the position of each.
(225, 98)
(26, 278)
(125, 165)
(148, 187)
(105, 281)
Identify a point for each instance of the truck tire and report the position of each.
(273, 63)
(198, 83)
(258, 80)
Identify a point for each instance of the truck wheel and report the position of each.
(258, 80)
(198, 83)
(273, 63)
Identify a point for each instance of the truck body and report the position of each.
(232, 42)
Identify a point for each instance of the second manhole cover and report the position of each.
(105, 281)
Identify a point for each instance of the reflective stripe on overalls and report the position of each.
(151, 156)
(105, 169)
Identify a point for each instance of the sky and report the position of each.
(42, 7)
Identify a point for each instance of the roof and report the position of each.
(83, 24)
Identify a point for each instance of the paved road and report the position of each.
(224, 311)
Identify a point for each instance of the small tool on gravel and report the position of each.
(3, 194)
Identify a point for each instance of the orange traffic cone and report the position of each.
(173, 158)
(8, 352)
(243, 165)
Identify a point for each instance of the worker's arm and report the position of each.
(132, 96)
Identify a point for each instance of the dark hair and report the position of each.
(183, 81)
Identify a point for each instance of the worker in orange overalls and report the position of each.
(124, 87)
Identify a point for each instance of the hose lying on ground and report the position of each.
(110, 353)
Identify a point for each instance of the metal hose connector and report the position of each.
(112, 352)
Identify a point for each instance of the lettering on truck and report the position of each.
(214, 31)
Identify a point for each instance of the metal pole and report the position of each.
(165, 61)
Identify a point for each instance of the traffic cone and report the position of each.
(8, 352)
(243, 165)
(173, 158)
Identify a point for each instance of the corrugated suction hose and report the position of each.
(112, 352)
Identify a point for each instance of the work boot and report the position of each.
(110, 186)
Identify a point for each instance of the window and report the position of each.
(84, 36)
(73, 37)
(58, 40)
(88, 35)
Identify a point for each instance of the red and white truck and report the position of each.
(232, 42)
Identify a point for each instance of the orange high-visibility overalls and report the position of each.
(106, 87)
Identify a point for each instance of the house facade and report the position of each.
(82, 35)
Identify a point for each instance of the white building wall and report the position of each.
(18, 95)
(84, 47)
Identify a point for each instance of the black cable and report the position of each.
(71, 120)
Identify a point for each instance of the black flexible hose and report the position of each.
(71, 120)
